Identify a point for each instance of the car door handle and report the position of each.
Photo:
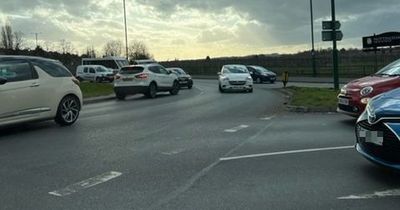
(35, 84)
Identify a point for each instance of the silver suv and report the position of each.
(147, 79)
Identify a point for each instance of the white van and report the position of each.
(95, 73)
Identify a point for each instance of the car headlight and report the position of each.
(366, 91)
(224, 78)
(365, 100)
(249, 78)
(371, 114)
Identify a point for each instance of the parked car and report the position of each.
(235, 77)
(112, 62)
(94, 73)
(185, 80)
(378, 130)
(147, 79)
(34, 88)
(261, 74)
(355, 95)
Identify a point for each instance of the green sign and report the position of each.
(329, 25)
(328, 36)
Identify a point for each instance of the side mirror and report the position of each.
(3, 80)
(219, 73)
(169, 71)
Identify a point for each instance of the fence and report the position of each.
(350, 65)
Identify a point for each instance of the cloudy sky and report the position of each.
(194, 29)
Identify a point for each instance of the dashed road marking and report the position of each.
(285, 152)
(86, 184)
(268, 118)
(381, 194)
(236, 129)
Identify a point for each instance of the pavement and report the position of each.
(198, 150)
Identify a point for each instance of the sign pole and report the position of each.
(312, 40)
(335, 53)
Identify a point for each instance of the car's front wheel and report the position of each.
(68, 111)
(220, 89)
(175, 88)
(120, 96)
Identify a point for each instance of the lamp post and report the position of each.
(335, 52)
(126, 31)
(312, 40)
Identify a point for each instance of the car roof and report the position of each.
(234, 65)
(143, 65)
(27, 58)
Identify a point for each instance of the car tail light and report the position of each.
(117, 77)
(142, 76)
(75, 80)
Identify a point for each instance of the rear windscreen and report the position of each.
(131, 70)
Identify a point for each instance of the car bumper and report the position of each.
(353, 107)
(375, 159)
(127, 90)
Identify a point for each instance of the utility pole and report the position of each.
(314, 68)
(36, 38)
(335, 53)
(126, 31)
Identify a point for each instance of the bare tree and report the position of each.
(49, 46)
(7, 36)
(113, 48)
(138, 50)
(66, 47)
(18, 40)
(90, 52)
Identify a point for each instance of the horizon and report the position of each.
(188, 29)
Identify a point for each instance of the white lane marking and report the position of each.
(203, 172)
(381, 194)
(236, 129)
(286, 152)
(173, 152)
(268, 118)
(86, 184)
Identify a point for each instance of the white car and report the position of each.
(34, 88)
(95, 73)
(235, 77)
(147, 79)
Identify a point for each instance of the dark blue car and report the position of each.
(378, 130)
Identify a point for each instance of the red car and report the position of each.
(355, 95)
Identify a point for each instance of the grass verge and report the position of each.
(90, 90)
(324, 98)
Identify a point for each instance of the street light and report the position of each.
(36, 38)
(312, 40)
(126, 32)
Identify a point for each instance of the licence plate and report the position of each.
(344, 101)
(374, 137)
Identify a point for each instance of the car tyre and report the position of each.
(175, 88)
(190, 85)
(120, 96)
(220, 89)
(152, 90)
(68, 111)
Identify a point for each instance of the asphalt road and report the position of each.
(197, 150)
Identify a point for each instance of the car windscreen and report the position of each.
(262, 69)
(131, 70)
(101, 69)
(236, 69)
(179, 71)
(392, 69)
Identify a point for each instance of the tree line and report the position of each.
(14, 43)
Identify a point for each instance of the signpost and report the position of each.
(332, 33)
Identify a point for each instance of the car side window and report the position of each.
(163, 70)
(15, 71)
(85, 70)
(92, 71)
(52, 68)
(155, 69)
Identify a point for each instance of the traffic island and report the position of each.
(306, 99)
